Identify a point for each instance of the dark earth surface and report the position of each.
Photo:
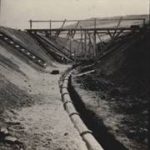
(121, 82)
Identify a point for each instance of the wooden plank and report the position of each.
(85, 29)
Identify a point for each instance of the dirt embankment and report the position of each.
(118, 93)
(23, 38)
(31, 111)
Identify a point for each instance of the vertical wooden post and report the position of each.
(82, 41)
(70, 48)
(144, 22)
(95, 51)
(30, 24)
(89, 44)
(79, 47)
(50, 25)
(85, 42)
(74, 51)
(70, 43)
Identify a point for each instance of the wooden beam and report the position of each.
(110, 34)
(58, 32)
(75, 29)
(113, 19)
(85, 42)
(118, 34)
(111, 29)
(119, 22)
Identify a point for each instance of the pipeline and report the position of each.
(92, 129)
(84, 132)
(100, 131)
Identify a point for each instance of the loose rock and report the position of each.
(55, 72)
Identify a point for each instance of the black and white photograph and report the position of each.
(74, 74)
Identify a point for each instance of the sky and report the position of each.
(17, 13)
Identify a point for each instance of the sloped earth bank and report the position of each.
(123, 129)
(118, 92)
(31, 108)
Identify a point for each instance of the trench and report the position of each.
(95, 124)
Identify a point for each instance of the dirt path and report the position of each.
(43, 124)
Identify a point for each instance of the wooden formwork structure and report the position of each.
(86, 37)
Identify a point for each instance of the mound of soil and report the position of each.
(122, 83)
(24, 39)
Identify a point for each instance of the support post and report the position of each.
(95, 50)
(110, 34)
(70, 48)
(78, 47)
(119, 22)
(58, 32)
(75, 29)
(81, 40)
(101, 42)
(85, 42)
(89, 43)
(30, 24)
(50, 26)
